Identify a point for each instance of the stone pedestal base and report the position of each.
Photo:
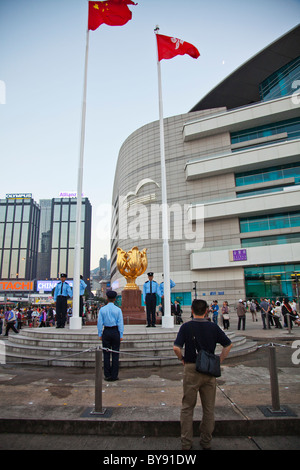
(133, 312)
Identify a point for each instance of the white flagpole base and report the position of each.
(167, 321)
(75, 323)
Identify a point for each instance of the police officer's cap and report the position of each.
(150, 274)
(111, 294)
(63, 275)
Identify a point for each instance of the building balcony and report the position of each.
(279, 153)
(283, 201)
(258, 114)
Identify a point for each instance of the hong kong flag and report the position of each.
(170, 47)
(111, 12)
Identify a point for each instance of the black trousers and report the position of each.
(61, 311)
(10, 325)
(111, 340)
(151, 308)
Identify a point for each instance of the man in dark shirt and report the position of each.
(195, 334)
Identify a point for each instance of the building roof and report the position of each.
(242, 86)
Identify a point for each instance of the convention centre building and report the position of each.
(233, 186)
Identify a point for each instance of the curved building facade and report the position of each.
(233, 186)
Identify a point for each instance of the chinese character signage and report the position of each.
(238, 255)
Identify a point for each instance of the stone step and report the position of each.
(140, 347)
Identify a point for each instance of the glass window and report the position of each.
(268, 174)
(280, 83)
(14, 271)
(18, 213)
(63, 261)
(10, 213)
(271, 281)
(2, 213)
(55, 235)
(72, 233)
(270, 222)
(54, 264)
(8, 234)
(1, 234)
(70, 262)
(73, 211)
(56, 214)
(82, 211)
(5, 264)
(16, 235)
(26, 213)
(22, 264)
(64, 235)
(271, 240)
(24, 236)
(65, 212)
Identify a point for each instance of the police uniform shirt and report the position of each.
(82, 287)
(172, 284)
(64, 289)
(110, 315)
(150, 287)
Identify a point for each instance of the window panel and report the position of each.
(16, 235)
(5, 264)
(55, 235)
(24, 236)
(7, 237)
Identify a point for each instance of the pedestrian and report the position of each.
(225, 315)
(253, 310)
(241, 313)
(177, 313)
(265, 313)
(206, 334)
(10, 318)
(1, 320)
(150, 290)
(82, 288)
(61, 293)
(43, 318)
(110, 330)
(161, 287)
(215, 311)
(277, 314)
(288, 314)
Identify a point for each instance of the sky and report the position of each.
(42, 53)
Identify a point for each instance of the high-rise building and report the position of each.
(19, 228)
(57, 237)
(37, 240)
(233, 174)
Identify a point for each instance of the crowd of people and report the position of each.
(273, 313)
(14, 318)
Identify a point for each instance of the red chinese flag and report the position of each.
(170, 47)
(111, 12)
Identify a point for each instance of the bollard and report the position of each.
(98, 384)
(274, 379)
(289, 323)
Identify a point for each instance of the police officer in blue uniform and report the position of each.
(162, 284)
(110, 330)
(61, 293)
(150, 289)
(82, 287)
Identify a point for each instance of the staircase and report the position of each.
(141, 347)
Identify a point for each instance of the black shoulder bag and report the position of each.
(207, 363)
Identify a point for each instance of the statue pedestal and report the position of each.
(133, 312)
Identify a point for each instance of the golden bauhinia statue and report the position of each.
(131, 265)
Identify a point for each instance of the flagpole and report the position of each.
(167, 319)
(75, 320)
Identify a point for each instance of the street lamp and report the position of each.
(195, 288)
